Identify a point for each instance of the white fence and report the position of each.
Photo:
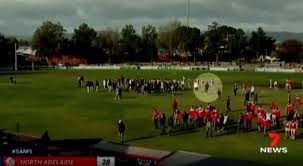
(275, 70)
(178, 67)
(95, 67)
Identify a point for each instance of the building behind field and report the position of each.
(68, 60)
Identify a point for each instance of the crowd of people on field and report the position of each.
(146, 86)
(208, 116)
(215, 121)
(195, 116)
(138, 85)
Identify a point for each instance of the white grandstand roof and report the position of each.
(25, 51)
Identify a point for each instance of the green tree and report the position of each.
(23, 42)
(130, 43)
(195, 42)
(107, 43)
(214, 39)
(291, 51)
(260, 44)
(190, 40)
(7, 50)
(167, 39)
(67, 47)
(3, 50)
(83, 38)
(149, 42)
(47, 38)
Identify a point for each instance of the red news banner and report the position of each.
(49, 161)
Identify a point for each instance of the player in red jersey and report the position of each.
(290, 111)
(261, 121)
(253, 107)
(293, 129)
(200, 116)
(206, 115)
(191, 114)
(287, 128)
(276, 116)
(267, 121)
(247, 119)
(156, 117)
(261, 110)
(288, 84)
(273, 105)
(298, 101)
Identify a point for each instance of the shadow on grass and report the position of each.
(140, 138)
(8, 73)
(181, 132)
(264, 104)
(221, 161)
(238, 110)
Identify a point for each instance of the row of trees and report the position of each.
(7, 48)
(218, 43)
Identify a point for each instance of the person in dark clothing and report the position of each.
(235, 89)
(89, 86)
(97, 84)
(228, 102)
(206, 88)
(79, 81)
(246, 99)
(120, 91)
(185, 120)
(256, 97)
(163, 123)
(12, 79)
(82, 81)
(240, 122)
(121, 126)
(209, 128)
(170, 123)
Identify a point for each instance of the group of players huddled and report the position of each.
(213, 120)
(194, 117)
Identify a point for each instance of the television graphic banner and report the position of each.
(49, 161)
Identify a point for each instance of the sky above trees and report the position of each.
(22, 17)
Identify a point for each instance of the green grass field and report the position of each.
(51, 100)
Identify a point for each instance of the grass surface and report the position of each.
(52, 101)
